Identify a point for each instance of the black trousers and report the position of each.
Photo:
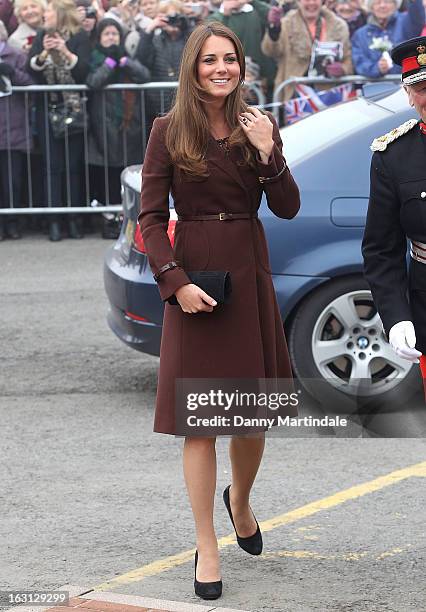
(63, 165)
(98, 188)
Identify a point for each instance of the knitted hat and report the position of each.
(105, 23)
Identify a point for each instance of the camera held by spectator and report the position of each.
(177, 20)
(88, 15)
(172, 20)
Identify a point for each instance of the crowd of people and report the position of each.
(102, 42)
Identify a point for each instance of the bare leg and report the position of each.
(245, 455)
(199, 467)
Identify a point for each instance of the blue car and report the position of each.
(333, 330)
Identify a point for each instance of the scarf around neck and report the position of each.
(58, 72)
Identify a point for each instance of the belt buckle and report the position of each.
(222, 216)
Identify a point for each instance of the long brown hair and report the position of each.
(187, 134)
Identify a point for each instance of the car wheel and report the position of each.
(337, 337)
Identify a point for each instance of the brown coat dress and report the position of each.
(243, 338)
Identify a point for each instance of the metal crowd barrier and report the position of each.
(33, 158)
(36, 182)
(276, 105)
(38, 187)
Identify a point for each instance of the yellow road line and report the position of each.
(156, 567)
(418, 469)
(349, 556)
(311, 554)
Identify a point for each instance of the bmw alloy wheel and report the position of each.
(350, 350)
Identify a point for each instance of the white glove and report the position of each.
(402, 339)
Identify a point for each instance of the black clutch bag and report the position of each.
(216, 283)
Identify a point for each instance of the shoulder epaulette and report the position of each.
(380, 143)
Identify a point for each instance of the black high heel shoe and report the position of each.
(206, 590)
(252, 544)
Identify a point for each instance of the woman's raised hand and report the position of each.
(193, 299)
(258, 129)
(49, 42)
(159, 21)
(383, 65)
(61, 44)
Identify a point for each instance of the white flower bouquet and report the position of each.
(383, 44)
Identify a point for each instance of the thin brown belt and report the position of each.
(223, 216)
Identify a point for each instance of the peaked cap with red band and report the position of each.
(411, 56)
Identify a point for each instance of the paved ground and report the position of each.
(114, 602)
(91, 497)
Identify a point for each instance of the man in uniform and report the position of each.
(397, 211)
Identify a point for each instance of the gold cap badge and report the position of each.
(421, 58)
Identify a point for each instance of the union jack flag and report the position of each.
(309, 101)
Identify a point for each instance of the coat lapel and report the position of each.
(226, 163)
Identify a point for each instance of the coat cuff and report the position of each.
(70, 64)
(170, 281)
(35, 66)
(275, 166)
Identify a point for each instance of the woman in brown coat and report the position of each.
(216, 155)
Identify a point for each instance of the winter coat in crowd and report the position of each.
(115, 135)
(293, 49)
(13, 114)
(78, 43)
(400, 27)
(62, 157)
(162, 55)
(56, 71)
(7, 15)
(21, 36)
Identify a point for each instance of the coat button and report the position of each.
(423, 194)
